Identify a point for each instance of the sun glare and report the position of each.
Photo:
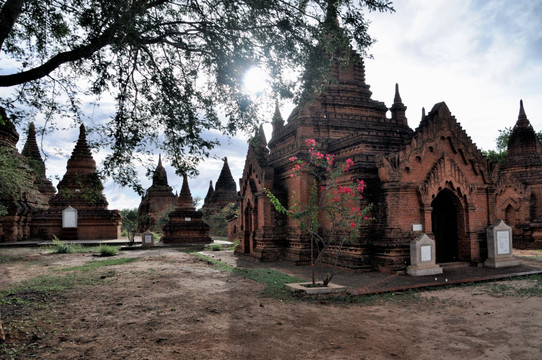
(255, 81)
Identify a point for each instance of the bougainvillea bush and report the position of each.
(336, 203)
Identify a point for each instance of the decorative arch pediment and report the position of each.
(445, 174)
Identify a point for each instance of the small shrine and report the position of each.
(185, 225)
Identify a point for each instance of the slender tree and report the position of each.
(172, 67)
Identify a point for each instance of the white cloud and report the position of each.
(475, 56)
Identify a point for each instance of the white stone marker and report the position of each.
(69, 217)
(499, 246)
(147, 239)
(423, 257)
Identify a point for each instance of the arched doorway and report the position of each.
(447, 224)
(247, 228)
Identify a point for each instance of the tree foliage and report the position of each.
(173, 68)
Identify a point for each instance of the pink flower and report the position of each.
(366, 218)
(293, 158)
(310, 142)
(352, 224)
(344, 190)
(291, 175)
(329, 159)
(291, 211)
(347, 165)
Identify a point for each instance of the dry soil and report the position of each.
(170, 305)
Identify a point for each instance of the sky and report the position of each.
(480, 57)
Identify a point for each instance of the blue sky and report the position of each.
(480, 57)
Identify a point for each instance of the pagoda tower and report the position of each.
(185, 225)
(158, 200)
(80, 194)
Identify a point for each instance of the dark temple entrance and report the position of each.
(445, 221)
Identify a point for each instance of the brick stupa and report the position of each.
(80, 188)
(185, 224)
(158, 200)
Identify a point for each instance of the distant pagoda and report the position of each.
(225, 191)
(185, 225)
(157, 201)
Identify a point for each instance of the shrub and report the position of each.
(106, 250)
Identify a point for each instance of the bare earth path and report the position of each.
(170, 305)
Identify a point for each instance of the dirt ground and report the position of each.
(170, 305)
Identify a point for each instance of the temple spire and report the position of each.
(397, 98)
(159, 177)
(398, 109)
(81, 161)
(32, 152)
(277, 121)
(185, 201)
(522, 122)
(209, 196)
(31, 149)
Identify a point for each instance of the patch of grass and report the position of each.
(274, 280)
(36, 290)
(107, 250)
(189, 251)
(92, 265)
(216, 247)
(505, 288)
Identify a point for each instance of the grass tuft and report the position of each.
(60, 247)
(107, 250)
(216, 247)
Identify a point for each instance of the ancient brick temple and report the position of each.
(432, 180)
(21, 208)
(157, 202)
(185, 225)
(225, 191)
(82, 190)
